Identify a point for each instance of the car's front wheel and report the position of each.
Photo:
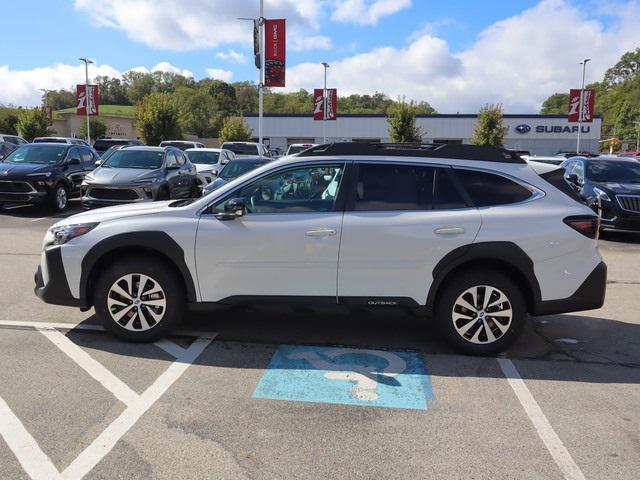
(59, 198)
(481, 312)
(139, 299)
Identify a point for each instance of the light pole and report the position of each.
(46, 102)
(584, 69)
(637, 136)
(324, 104)
(86, 93)
(261, 75)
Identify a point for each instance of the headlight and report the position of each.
(142, 181)
(601, 194)
(62, 234)
(39, 175)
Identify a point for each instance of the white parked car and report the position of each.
(68, 140)
(181, 144)
(209, 162)
(251, 149)
(14, 139)
(469, 236)
(299, 147)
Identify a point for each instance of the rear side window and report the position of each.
(487, 189)
(405, 187)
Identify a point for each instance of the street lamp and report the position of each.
(324, 104)
(86, 93)
(46, 102)
(584, 69)
(260, 24)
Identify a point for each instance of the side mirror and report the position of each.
(98, 163)
(234, 208)
(74, 161)
(173, 166)
(214, 173)
(572, 178)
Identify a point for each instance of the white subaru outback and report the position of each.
(471, 237)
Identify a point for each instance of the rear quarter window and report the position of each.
(488, 189)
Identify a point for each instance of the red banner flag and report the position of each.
(275, 52)
(84, 101)
(588, 105)
(318, 104)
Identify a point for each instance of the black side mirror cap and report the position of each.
(74, 161)
(234, 208)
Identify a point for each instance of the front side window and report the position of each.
(389, 187)
(308, 189)
(488, 189)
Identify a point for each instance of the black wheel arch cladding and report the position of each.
(157, 242)
(500, 252)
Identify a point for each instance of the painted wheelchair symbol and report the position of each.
(365, 377)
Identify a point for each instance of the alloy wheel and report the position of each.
(136, 302)
(61, 198)
(482, 314)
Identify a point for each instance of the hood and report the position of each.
(120, 211)
(121, 176)
(621, 188)
(19, 171)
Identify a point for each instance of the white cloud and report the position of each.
(232, 56)
(191, 24)
(21, 87)
(518, 61)
(167, 67)
(219, 74)
(367, 12)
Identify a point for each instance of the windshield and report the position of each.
(102, 145)
(145, 160)
(49, 140)
(241, 148)
(235, 169)
(180, 145)
(206, 158)
(42, 154)
(608, 171)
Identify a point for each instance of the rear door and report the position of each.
(400, 221)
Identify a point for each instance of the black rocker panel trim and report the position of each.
(503, 252)
(159, 242)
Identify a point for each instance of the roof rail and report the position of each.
(450, 150)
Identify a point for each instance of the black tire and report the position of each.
(56, 202)
(160, 276)
(477, 340)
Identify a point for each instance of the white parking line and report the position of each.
(38, 219)
(556, 448)
(105, 442)
(95, 369)
(33, 460)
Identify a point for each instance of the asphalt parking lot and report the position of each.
(268, 393)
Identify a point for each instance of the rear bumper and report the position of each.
(589, 296)
(56, 290)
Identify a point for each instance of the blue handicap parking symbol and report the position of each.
(373, 378)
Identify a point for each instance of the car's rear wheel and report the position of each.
(59, 198)
(481, 312)
(139, 299)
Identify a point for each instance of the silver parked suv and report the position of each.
(139, 174)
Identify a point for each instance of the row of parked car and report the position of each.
(51, 170)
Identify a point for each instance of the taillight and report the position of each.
(588, 225)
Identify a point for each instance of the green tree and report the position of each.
(401, 117)
(157, 118)
(97, 128)
(198, 114)
(556, 104)
(60, 99)
(8, 120)
(113, 91)
(490, 128)
(234, 129)
(627, 67)
(32, 123)
(625, 123)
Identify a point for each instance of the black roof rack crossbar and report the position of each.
(454, 151)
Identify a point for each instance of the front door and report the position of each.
(287, 243)
(401, 220)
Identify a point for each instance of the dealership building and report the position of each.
(539, 134)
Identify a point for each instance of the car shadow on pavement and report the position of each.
(620, 237)
(39, 211)
(561, 347)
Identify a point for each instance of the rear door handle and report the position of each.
(320, 232)
(449, 230)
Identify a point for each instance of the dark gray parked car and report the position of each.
(140, 174)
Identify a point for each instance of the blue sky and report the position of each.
(457, 54)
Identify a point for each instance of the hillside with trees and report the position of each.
(617, 100)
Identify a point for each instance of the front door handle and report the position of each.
(449, 230)
(320, 232)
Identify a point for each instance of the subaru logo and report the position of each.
(522, 129)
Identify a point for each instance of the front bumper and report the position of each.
(589, 296)
(56, 289)
(95, 196)
(30, 195)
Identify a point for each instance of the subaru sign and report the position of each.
(522, 129)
